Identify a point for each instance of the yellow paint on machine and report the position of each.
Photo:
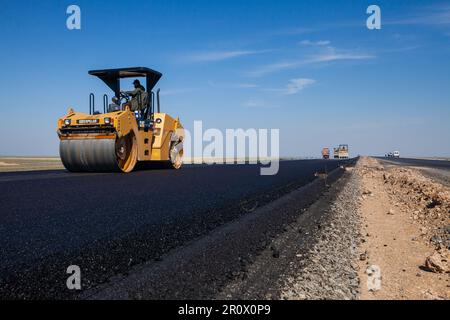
(152, 145)
(117, 140)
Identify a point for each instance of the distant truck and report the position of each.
(326, 153)
(341, 152)
(395, 154)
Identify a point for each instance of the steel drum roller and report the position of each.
(94, 155)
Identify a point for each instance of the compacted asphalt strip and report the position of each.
(109, 223)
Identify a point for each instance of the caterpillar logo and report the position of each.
(87, 121)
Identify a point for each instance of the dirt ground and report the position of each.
(405, 220)
(13, 164)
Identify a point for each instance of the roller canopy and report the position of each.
(112, 76)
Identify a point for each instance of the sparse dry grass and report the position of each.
(12, 164)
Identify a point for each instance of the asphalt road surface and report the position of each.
(108, 223)
(436, 164)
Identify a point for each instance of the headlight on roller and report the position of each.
(67, 122)
(107, 120)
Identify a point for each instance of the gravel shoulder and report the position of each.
(314, 258)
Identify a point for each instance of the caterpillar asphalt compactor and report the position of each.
(128, 133)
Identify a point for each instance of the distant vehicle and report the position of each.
(341, 152)
(326, 153)
(395, 154)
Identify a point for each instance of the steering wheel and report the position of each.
(124, 96)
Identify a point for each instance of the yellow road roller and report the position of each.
(130, 131)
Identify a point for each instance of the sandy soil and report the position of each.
(7, 164)
(401, 210)
(12, 164)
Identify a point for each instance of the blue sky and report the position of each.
(310, 68)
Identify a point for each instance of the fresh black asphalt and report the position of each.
(108, 223)
(428, 163)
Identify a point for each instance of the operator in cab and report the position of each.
(138, 96)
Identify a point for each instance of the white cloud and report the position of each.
(315, 43)
(221, 55)
(330, 55)
(275, 67)
(327, 57)
(253, 103)
(436, 15)
(401, 49)
(296, 85)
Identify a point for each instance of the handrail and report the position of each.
(158, 101)
(91, 103)
(153, 102)
(105, 103)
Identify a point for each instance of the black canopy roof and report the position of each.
(112, 76)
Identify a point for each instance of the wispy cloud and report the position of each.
(276, 67)
(401, 49)
(295, 86)
(315, 43)
(212, 56)
(328, 55)
(255, 103)
(435, 15)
